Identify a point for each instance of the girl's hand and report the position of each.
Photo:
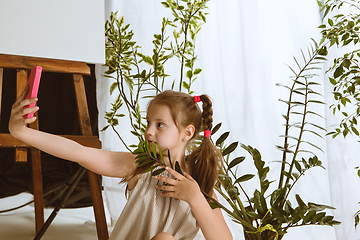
(17, 123)
(184, 188)
(211, 222)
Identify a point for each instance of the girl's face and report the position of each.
(161, 130)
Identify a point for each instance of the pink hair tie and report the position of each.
(197, 99)
(207, 133)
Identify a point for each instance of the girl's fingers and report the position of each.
(20, 105)
(22, 95)
(166, 188)
(27, 102)
(166, 180)
(169, 194)
(29, 120)
(30, 110)
(174, 173)
(23, 111)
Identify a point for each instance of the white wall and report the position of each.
(66, 29)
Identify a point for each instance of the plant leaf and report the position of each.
(222, 138)
(177, 167)
(145, 163)
(161, 156)
(235, 162)
(213, 205)
(150, 168)
(230, 148)
(171, 165)
(309, 216)
(301, 203)
(260, 203)
(277, 196)
(153, 149)
(158, 171)
(216, 128)
(244, 178)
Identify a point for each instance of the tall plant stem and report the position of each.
(182, 58)
(287, 127)
(351, 4)
(156, 77)
(240, 202)
(243, 210)
(232, 204)
(300, 134)
(242, 189)
(122, 140)
(292, 185)
(120, 85)
(186, 26)
(245, 223)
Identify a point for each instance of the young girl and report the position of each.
(165, 207)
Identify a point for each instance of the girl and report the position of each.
(165, 207)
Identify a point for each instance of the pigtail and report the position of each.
(205, 161)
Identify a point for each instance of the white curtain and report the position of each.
(243, 50)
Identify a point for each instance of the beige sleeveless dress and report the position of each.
(147, 213)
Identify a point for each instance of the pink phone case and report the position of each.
(33, 82)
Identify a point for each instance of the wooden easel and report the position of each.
(77, 69)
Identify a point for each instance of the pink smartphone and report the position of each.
(33, 82)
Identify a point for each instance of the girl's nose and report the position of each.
(149, 131)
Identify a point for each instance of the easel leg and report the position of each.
(21, 82)
(68, 189)
(1, 85)
(85, 126)
(102, 230)
(37, 181)
(38, 188)
(21, 156)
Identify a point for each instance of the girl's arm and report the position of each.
(113, 164)
(211, 221)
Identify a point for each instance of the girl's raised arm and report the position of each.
(113, 164)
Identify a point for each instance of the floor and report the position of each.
(78, 224)
(69, 224)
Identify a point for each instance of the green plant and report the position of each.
(269, 215)
(263, 215)
(132, 80)
(357, 214)
(342, 30)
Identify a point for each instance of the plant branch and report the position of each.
(287, 126)
(300, 134)
(122, 140)
(245, 223)
(243, 190)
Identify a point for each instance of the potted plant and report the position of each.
(263, 214)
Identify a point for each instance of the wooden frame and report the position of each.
(78, 69)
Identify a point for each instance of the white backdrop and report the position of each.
(243, 50)
(68, 30)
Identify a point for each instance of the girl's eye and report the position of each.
(160, 125)
(147, 123)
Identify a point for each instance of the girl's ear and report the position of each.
(189, 132)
